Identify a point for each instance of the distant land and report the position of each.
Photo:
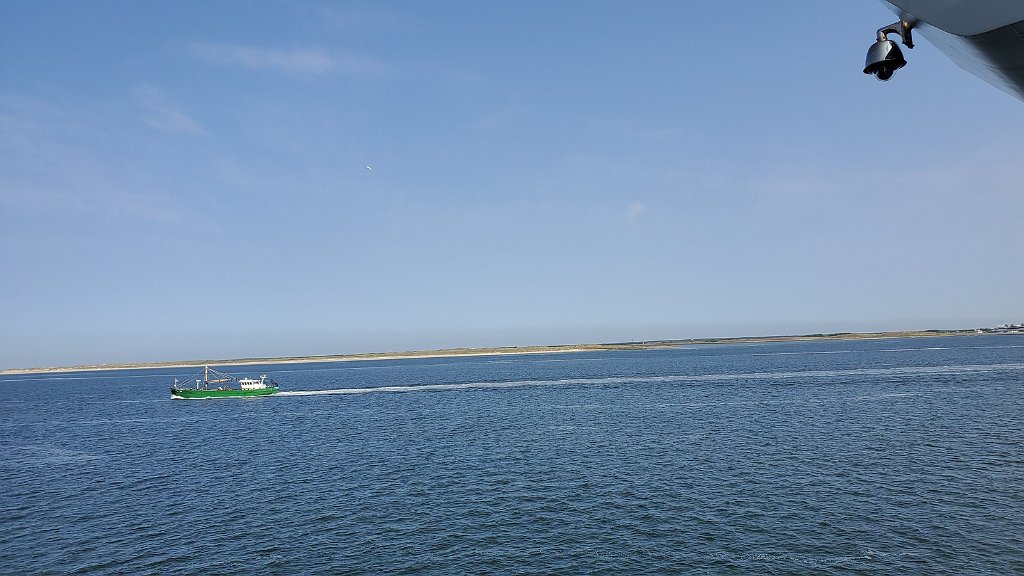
(516, 350)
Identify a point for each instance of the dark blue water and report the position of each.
(858, 457)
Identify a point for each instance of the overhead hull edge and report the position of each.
(987, 42)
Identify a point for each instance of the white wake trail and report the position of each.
(724, 377)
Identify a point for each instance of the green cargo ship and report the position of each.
(246, 387)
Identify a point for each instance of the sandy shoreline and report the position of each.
(506, 351)
(312, 359)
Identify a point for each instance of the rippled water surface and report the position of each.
(867, 457)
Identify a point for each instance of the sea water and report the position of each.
(844, 457)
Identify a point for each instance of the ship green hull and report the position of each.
(192, 393)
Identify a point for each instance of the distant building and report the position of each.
(1011, 327)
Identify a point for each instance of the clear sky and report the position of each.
(186, 180)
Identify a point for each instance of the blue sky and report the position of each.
(190, 179)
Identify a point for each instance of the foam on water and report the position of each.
(812, 352)
(871, 351)
(724, 377)
(45, 454)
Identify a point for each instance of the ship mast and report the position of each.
(218, 376)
